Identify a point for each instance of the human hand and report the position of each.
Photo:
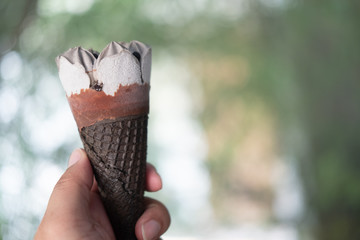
(75, 210)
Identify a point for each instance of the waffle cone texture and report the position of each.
(117, 152)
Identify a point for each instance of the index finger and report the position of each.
(153, 180)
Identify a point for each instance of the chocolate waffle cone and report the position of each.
(117, 151)
(108, 93)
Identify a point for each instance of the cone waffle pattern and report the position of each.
(117, 151)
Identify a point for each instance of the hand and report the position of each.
(75, 210)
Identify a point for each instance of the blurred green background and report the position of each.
(254, 111)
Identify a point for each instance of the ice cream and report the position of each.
(108, 93)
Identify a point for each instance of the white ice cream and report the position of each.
(73, 77)
(118, 64)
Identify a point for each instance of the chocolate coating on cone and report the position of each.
(91, 106)
(117, 151)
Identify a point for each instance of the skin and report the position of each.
(75, 210)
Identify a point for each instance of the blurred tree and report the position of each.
(317, 45)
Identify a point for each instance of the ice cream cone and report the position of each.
(117, 150)
(109, 98)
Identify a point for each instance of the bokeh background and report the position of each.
(255, 114)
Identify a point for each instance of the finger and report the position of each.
(154, 221)
(94, 187)
(153, 179)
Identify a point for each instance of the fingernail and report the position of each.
(150, 230)
(75, 157)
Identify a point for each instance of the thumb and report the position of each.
(69, 199)
(73, 188)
